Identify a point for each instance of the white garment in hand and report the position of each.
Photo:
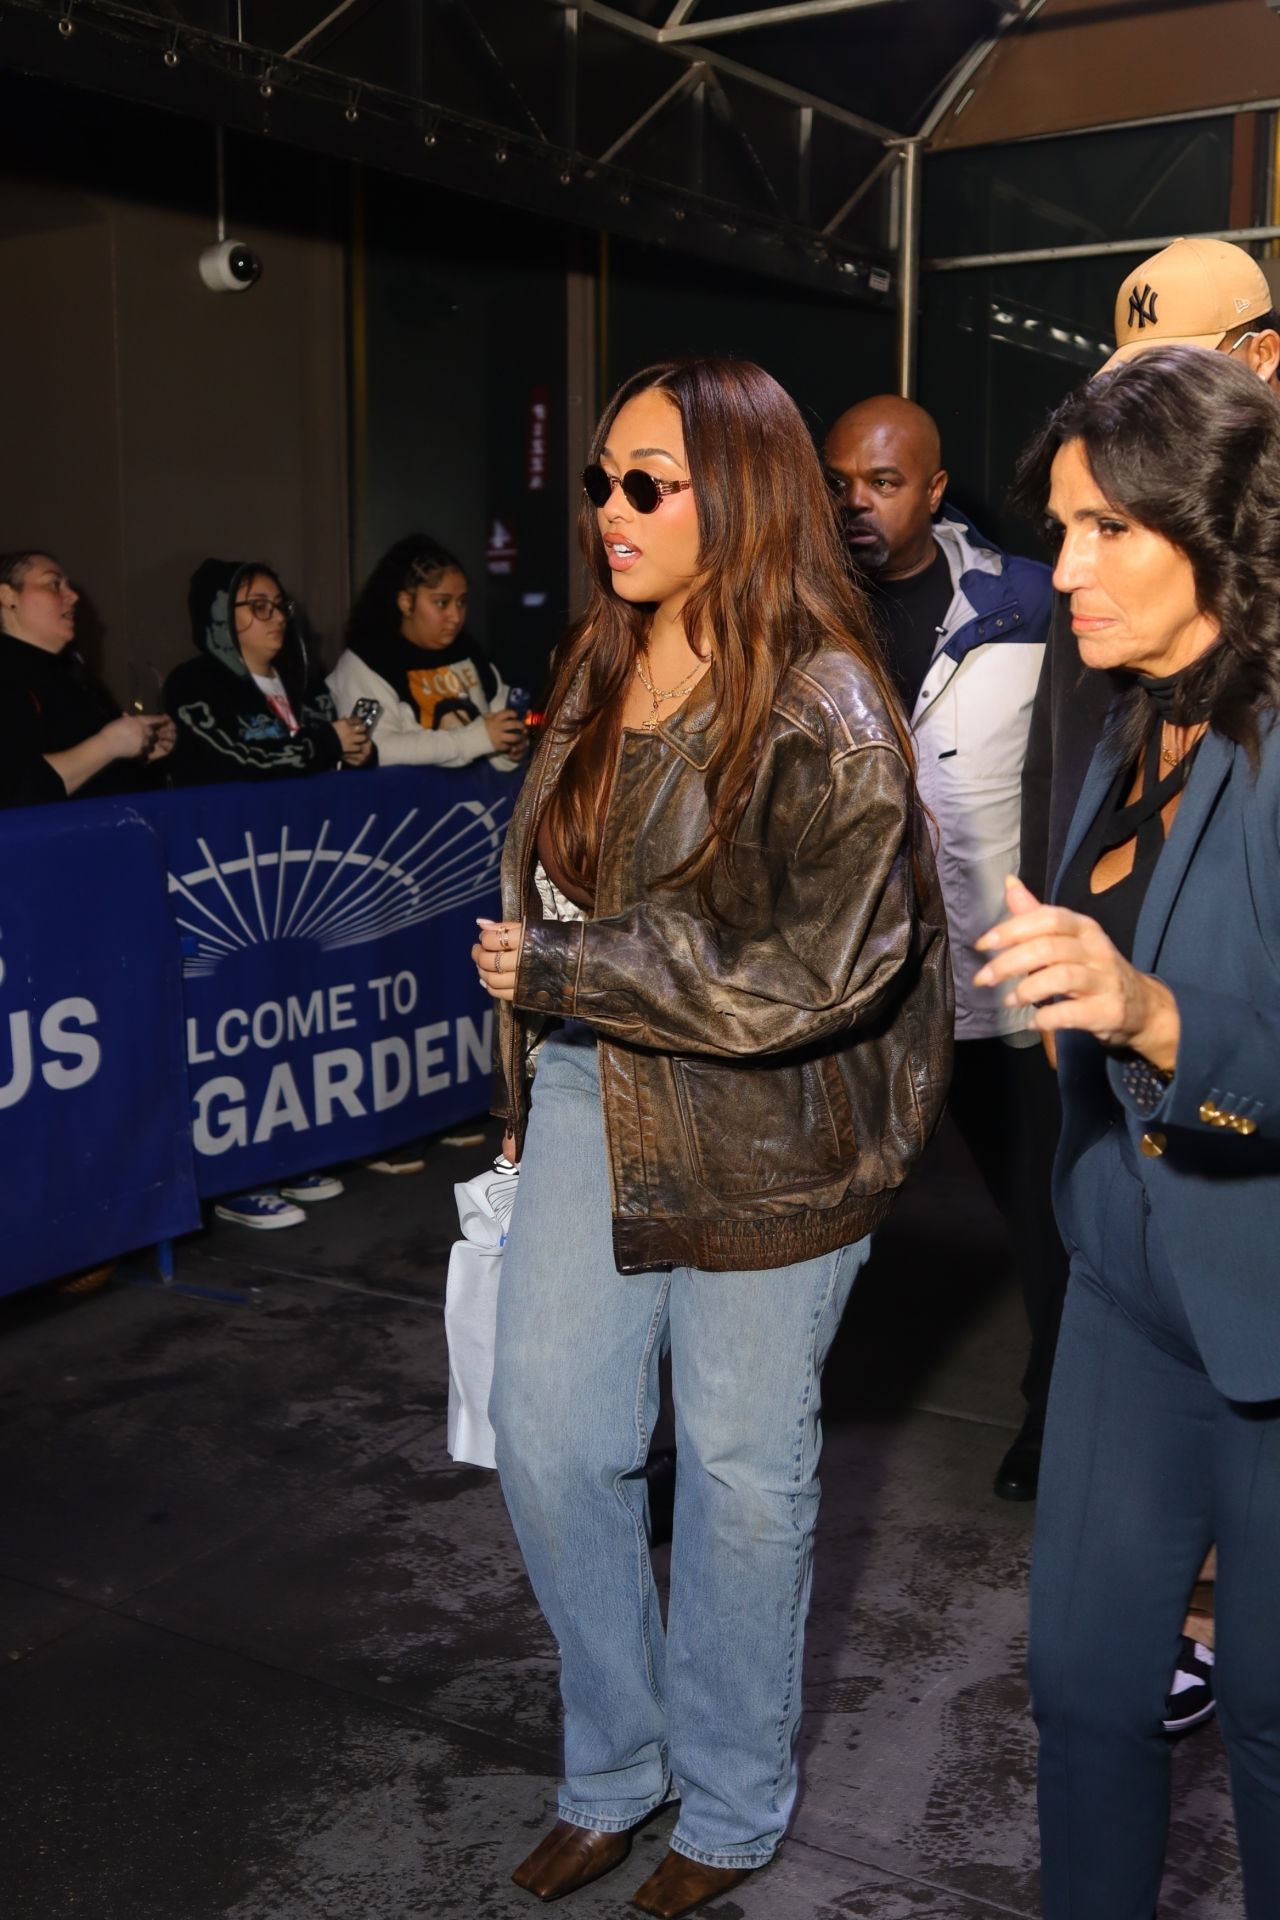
(471, 1310)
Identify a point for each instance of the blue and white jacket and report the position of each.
(970, 724)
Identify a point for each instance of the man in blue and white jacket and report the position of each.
(963, 626)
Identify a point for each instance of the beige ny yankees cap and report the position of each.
(1191, 294)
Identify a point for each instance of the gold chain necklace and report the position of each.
(1170, 756)
(659, 694)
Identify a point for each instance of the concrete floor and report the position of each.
(271, 1656)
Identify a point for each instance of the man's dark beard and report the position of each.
(871, 559)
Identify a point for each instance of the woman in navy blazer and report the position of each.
(1157, 972)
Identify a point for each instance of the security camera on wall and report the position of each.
(229, 266)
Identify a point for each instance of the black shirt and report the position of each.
(910, 615)
(48, 702)
(1117, 907)
(1068, 718)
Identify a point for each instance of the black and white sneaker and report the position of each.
(1190, 1699)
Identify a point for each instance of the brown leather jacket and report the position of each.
(770, 1072)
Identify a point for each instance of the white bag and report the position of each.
(471, 1309)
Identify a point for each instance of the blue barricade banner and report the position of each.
(95, 1134)
(209, 990)
(331, 1007)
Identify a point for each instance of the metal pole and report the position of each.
(764, 17)
(691, 77)
(219, 162)
(860, 192)
(321, 26)
(1093, 249)
(734, 69)
(583, 291)
(909, 267)
(358, 350)
(804, 165)
(569, 117)
(1227, 111)
(957, 92)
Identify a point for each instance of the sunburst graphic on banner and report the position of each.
(335, 895)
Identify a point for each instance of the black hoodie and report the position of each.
(227, 729)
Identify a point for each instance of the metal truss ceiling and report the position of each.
(754, 134)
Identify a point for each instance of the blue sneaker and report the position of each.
(262, 1210)
(312, 1186)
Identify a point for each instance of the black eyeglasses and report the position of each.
(262, 606)
(644, 492)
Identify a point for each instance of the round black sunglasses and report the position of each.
(644, 492)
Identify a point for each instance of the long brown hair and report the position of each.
(774, 585)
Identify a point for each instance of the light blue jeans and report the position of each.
(708, 1711)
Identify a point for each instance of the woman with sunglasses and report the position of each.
(253, 706)
(723, 924)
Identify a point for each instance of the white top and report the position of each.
(555, 905)
(271, 687)
(400, 737)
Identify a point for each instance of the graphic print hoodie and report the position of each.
(433, 701)
(227, 728)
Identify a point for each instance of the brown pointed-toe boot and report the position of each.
(680, 1885)
(570, 1857)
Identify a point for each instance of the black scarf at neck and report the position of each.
(1169, 699)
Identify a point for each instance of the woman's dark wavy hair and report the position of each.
(17, 564)
(1187, 443)
(416, 561)
(773, 586)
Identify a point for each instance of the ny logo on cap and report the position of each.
(1142, 307)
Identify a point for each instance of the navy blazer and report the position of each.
(1209, 1146)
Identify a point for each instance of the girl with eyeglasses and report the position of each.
(723, 925)
(254, 706)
